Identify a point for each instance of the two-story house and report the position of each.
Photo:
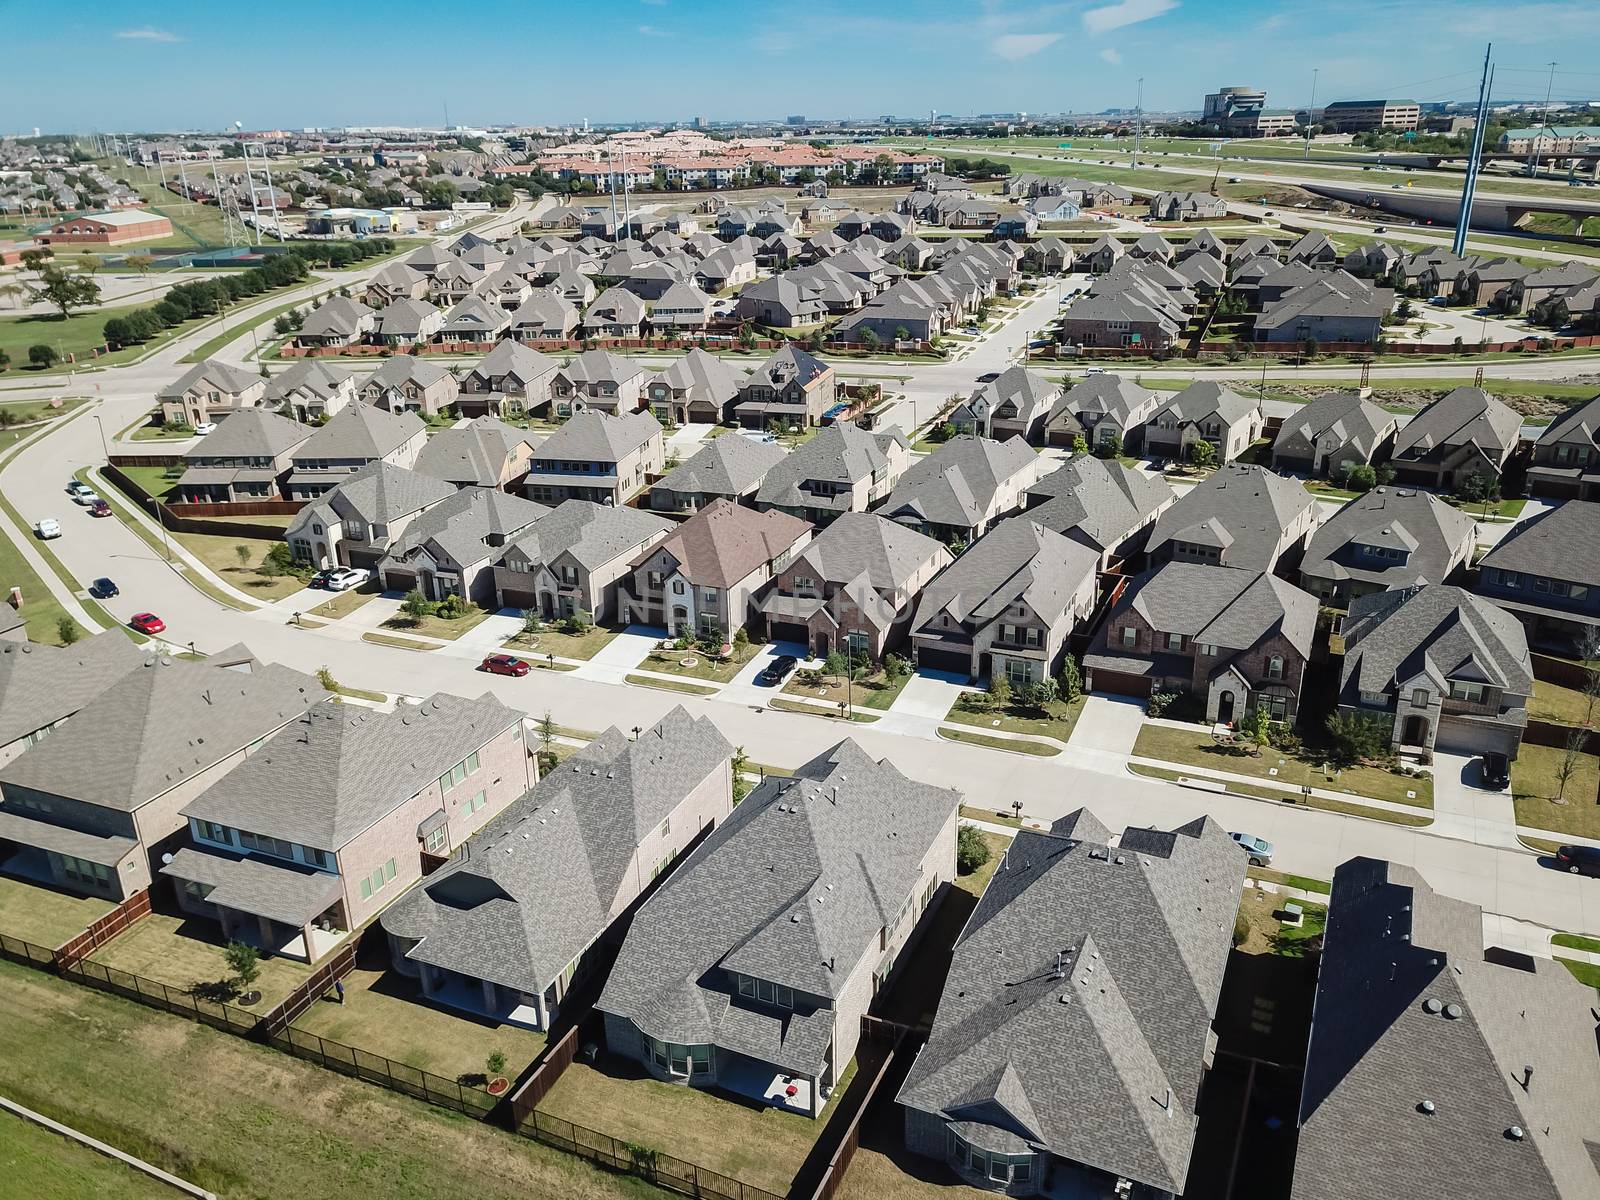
(510, 925)
(1443, 668)
(1464, 432)
(1007, 606)
(328, 820)
(1237, 640)
(1547, 573)
(358, 435)
(844, 468)
(41, 686)
(407, 323)
(93, 806)
(1388, 539)
(352, 525)
(730, 468)
(1204, 411)
(545, 314)
(1102, 409)
(791, 389)
(698, 387)
(484, 452)
(598, 457)
(450, 548)
(310, 391)
(701, 580)
(511, 380)
(406, 383)
(750, 969)
(1108, 507)
(1336, 430)
(958, 492)
(853, 587)
(337, 321)
(570, 559)
(209, 391)
(599, 381)
(1241, 516)
(1015, 403)
(1566, 458)
(247, 457)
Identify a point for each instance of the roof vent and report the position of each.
(1432, 1006)
(1426, 1108)
(1452, 1012)
(1515, 1133)
(1065, 997)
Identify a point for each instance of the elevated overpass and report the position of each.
(1440, 207)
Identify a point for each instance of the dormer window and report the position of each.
(1471, 693)
(765, 991)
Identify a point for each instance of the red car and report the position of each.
(147, 623)
(505, 664)
(99, 509)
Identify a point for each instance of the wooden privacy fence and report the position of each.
(135, 908)
(1561, 671)
(312, 987)
(895, 1036)
(558, 1056)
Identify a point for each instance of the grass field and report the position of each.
(1563, 705)
(1056, 721)
(1535, 782)
(37, 1162)
(221, 555)
(1014, 745)
(248, 1122)
(44, 916)
(551, 640)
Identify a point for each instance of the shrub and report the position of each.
(1040, 694)
(1355, 736)
(1159, 703)
(741, 637)
(326, 679)
(1358, 477)
(415, 606)
(578, 622)
(1000, 691)
(280, 561)
(975, 701)
(454, 606)
(1110, 447)
(1071, 679)
(1241, 930)
(971, 850)
(41, 355)
(896, 667)
(67, 630)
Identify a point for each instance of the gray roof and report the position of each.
(726, 466)
(1027, 390)
(406, 368)
(1436, 537)
(1464, 415)
(1081, 990)
(546, 307)
(361, 431)
(405, 317)
(725, 543)
(1409, 1008)
(1101, 500)
(600, 437)
(40, 685)
(794, 888)
(469, 526)
(546, 877)
(213, 372)
(1116, 397)
(379, 493)
(473, 454)
(1243, 508)
(249, 433)
(1222, 606)
(159, 726)
(337, 315)
(1443, 632)
(856, 544)
(289, 893)
(1204, 398)
(786, 364)
(842, 452)
(957, 485)
(1018, 561)
(1562, 543)
(337, 770)
(514, 359)
(704, 376)
(1342, 418)
(594, 534)
(309, 374)
(598, 366)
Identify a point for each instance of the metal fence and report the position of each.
(227, 1017)
(375, 1068)
(26, 953)
(663, 1170)
(312, 988)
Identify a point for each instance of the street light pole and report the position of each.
(1311, 112)
(104, 449)
(1548, 89)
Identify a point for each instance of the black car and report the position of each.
(1580, 860)
(103, 589)
(320, 579)
(776, 670)
(1496, 771)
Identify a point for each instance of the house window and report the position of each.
(477, 802)
(211, 831)
(1174, 641)
(1472, 693)
(1130, 637)
(1275, 667)
(1419, 698)
(677, 587)
(666, 827)
(678, 1060)
(313, 856)
(435, 842)
(377, 880)
(356, 530)
(1207, 649)
(1019, 672)
(708, 595)
(87, 873)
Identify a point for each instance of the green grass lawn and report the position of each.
(221, 555)
(976, 881)
(238, 328)
(1535, 782)
(37, 1162)
(186, 952)
(40, 609)
(1280, 795)
(1196, 749)
(671, 662)
(1304, 882)
(1269, 935)
(1585, 973)
(247, 1122)
(671, 685)
(783, 704)
(1014, 745)
(27, 412)
(436, 626)
(1561, 705)
(1495, 508)
(1056, 721)
(551, 640)
(399, 643)
(44, 916)
(875, 691)
(342, 604)
(157, 482)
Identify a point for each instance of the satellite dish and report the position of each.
(166, 860)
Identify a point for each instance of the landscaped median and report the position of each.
(399, 643)
(826, 711)
(1013, 745)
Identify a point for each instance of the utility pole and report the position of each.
(1138, 123)
(1311, 112)
(1533, 167)
(1458, 244)
(611, 180)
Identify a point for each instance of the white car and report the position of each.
(48, 528)
(85, 496)
(1259, 849)
(204, 428)
(346, 578)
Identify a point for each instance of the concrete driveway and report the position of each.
(929, 694)
(1106, 731)
(1465, 810)
(742, 688)
(621, 654)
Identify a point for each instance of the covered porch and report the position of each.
(89, 864)
(280, 910)
(485, 998)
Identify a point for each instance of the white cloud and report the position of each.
(1013, 47)
(652, 31)
(1125, 12)
(147, 35)
(1111, 55)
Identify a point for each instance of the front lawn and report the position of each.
(185, 953)
(553, 640)
(1280, 795)
(221, 554)
(1560, 705)
(445, 628)
(342, 604)
(875, 691)
(1055, 721)
(678, 662)
(1014, 745)
(1196, 749)
(1535, 782)
(44, 916)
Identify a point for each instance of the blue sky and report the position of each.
(205, 65)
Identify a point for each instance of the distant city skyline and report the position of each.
(194, 66)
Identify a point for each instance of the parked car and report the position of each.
(147, 623)
(1579, 860)
(204, 428)
(47, 529)
(103, 589)
(1496, 770)
(776, 670)
(345, 578)
(99, 508)
(1259, 849)
(82, 493)
(504, 664)
(320, 579)
(988, 376)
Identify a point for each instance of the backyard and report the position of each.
(1536, 781)
(1196, 749)
(186, 953)
(678, 662)
(221, 554)
(44, 916)
(1561, 705)
(552, 640)
(1055, 720)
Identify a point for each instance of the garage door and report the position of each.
(1472, 737)
(958, 661)
(1120, 683)
(788, 631)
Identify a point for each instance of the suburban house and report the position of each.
(1334, 430)
(208, 391)
(699, 387)
(485, 452)
(595, 456)
(509, 925)
(1464, 432)
(728, 468)
(91, 807)
(450, 548)
(751, 967)
(407, 323)
(1234, 639)
(701, 580)
(1187, 206)
(247, 457)
(1336, 308)
(1007, 606)
(310, 391)
(1016, 403)
(406, 383)
(511, 380)
(337, 321)
(957, 493)
(1100, 503)
(1241, 516)
(1414, 1021)
(1204, 411)
(1119, 315)
(569, 560)
(601, 382)
(1566, 458)
(616, 312)
(352, 525)
(843, 469)
(397, 281)
(1533, 289)
(328, 820)
(356, 436)
(41, 686)
(546, 313)
(791, 389)
(1388, 539)
(1442, 668)
(852, 587)
(1105, 952)
(1102, 409)
(1102, 255)
(1546, 571)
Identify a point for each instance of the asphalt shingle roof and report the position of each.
(725, 466)
(1563, 543)
(1443, 632)
(1465, 415)
(469, 526)
(1018, 561)
(724, 542)
(1339, 419)
(40, 685)
(842, 452)
(473, 454)
(361, 431)
(1245, 508)
(1434, 534)
(600, 437)
(249, 433)
(959, 483)
(1097, 500)
(594, 534)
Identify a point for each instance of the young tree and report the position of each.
(1071, 679)
(416, 606)
(1589, 651)
(1080, 445)
(242, 959)
(531, 623)
(741, 764)
(895, 666)
(1355, 736)
(1404, 310)
(67, 630)
(1203, 454)
(1000, 691)
(242, 553)
(835, 664)
(1571, 759)
(547, 733)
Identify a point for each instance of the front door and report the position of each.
(1416, 731)
(1225, 708)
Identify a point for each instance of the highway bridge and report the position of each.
(1440, 207)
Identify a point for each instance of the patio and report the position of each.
(758, 1081)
